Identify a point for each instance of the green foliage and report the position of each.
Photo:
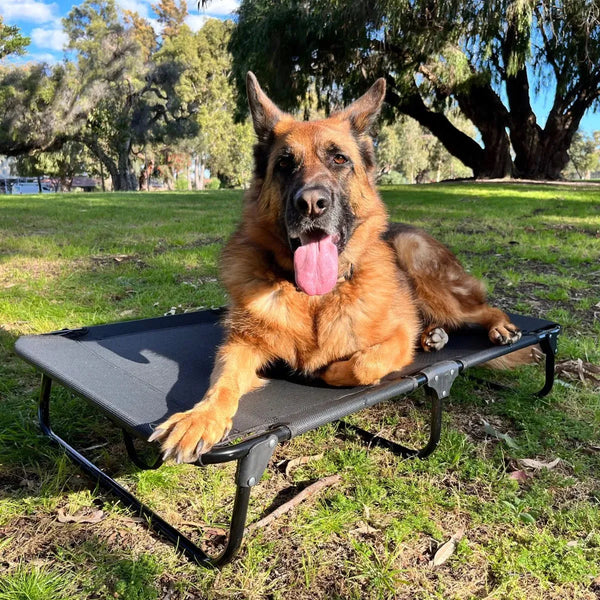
(584, 155)
(391, 178)
(407, 147)
(11, 40)
(61, 166)
(33, 583)
(221, 145)
(181, 183)
(435, 56)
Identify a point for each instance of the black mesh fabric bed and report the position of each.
(141, 372)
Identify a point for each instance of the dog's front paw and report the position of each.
(505, 334)
(434, 339)
(187, 435)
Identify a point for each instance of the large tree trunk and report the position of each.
(480, 103)
(121, 180)
(491, 161)
(126, 180)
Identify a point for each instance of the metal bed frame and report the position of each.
(253, 453)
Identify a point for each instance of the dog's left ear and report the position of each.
(363, 112)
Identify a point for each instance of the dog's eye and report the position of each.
(340, 159)
(284, 163)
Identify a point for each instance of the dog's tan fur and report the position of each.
(396, 285)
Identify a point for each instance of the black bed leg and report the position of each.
(250, 469)
(44, 406)
(435, 429)
(438, 380)
(549, 346)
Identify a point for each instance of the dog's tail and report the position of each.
(524, 356)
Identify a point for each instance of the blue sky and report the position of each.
(41, 21)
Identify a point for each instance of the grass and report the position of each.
(81, 259)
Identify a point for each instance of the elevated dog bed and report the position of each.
(141, 372)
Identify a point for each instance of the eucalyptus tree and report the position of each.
(132, 97)
(204, 91)
(488, 58)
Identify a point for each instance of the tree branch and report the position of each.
(454, 140)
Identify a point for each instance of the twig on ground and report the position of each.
(307, 492)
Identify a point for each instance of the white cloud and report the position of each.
(33, 57)
(196, 22)
(45, 57)
(154, 23)
(217, 8)
(27, 10)
(52, 39)
(139, 6)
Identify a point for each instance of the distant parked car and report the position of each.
(31, 187)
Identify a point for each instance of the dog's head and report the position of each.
(315, 181)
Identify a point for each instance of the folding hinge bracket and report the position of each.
(441, 376)
(252, 466)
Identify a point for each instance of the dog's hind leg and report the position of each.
(446, 295)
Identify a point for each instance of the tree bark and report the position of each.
(483, 107)
(455, 141)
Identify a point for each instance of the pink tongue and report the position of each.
(316, 266)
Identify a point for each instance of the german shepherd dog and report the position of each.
(318, 277)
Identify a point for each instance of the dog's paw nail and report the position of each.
(199, 449)
(157, 433)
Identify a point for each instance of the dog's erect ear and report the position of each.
(264, 113)
(363, 112)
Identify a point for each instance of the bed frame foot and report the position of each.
(549, 346)
(251, 466)
(438, 380)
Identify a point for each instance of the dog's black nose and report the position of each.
(312, 201)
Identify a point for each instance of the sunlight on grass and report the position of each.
(82, 259)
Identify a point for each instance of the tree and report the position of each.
(584, 155)
(41, 108)
(205, 91)
(408, 148)
(437, 54)
(11, 40)
(131, 97)
(61, 166)
(110, 96)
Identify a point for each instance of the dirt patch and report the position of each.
(105, 260)
(565, 227)
(164, 245)
(18, 270)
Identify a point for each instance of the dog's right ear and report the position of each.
(264, 112)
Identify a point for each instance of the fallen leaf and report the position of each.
(445, 551)
(578, 369)
(526, 518)
(79, 517)
(531, 463)
(364, 529)
(520, 476)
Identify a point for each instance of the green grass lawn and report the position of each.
(81, 259)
